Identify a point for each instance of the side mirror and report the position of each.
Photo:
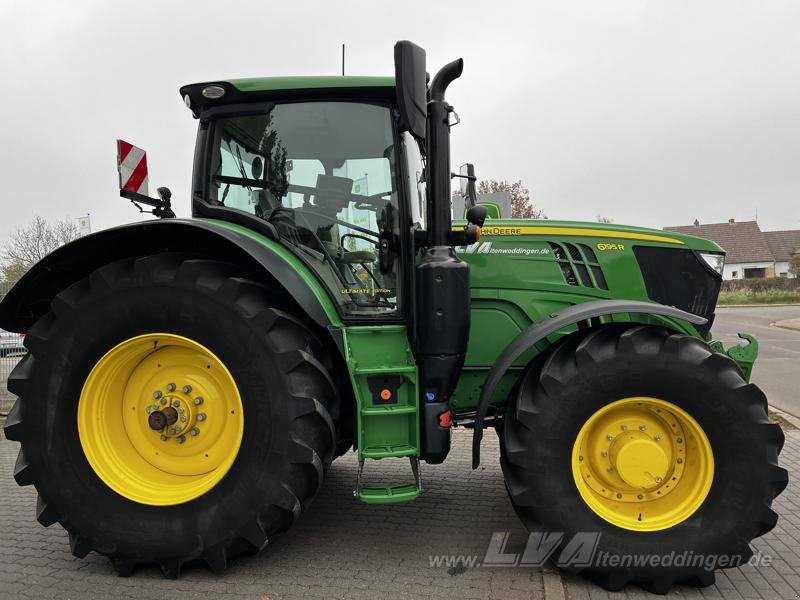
(467, 178)
(477, 215)
(411, 87)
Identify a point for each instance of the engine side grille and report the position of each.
(579, 267)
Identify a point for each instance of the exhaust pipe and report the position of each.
(442, 283)
(438, 142)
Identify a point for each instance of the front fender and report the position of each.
(30, 298)
(572, 315)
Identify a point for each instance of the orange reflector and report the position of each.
(477, 233)
(386, 394)
(446, 419)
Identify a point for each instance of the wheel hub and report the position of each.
(160, 419)
(640, 461)
(177, 414)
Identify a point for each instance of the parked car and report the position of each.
(11, 343)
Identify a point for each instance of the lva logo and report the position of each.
(476, 248)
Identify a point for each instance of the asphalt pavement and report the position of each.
(777, 370)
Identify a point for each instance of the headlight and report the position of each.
(715, 261)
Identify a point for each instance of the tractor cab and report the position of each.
(352, 176)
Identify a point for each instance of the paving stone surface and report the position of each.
(342, 548)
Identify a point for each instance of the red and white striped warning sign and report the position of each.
(132, 167)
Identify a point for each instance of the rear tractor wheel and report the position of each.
(170, 412)
(651, 445)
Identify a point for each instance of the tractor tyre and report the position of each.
(171, 411)
(639, 444)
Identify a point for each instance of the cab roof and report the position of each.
(257, 89)
(264, 84)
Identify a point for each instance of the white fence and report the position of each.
(7, 363)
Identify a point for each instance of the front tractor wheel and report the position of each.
(651, 445)
(170, 412)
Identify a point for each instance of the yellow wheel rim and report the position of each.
(175, 377)
(642, 464)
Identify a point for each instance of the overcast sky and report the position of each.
(650, 113)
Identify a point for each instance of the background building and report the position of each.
(783, 245)
(751, 253)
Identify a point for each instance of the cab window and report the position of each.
(415, 168)
(323, 173)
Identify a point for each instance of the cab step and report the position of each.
(389, 494)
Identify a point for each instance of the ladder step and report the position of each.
(388, 494)
(390, 409)
(388, 451)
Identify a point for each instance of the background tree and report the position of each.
(794, 263)
(31, 243)
(602, 219)
(522, 206)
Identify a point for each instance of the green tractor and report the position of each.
(189, 381)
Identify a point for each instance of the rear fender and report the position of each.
(30, 298)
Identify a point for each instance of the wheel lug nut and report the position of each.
(604, 453)
(187, 389)
(183, 419)
(640, 496)
(679, 461)
(657, 438)
(680, 440)
(148, 410)
(171, 387)
(163, 402)
(619, 495)
(623, 427)
(198, 401)
(157, 394)
(195, 431)
(201, 417)
(580, 458)
(176, 403)
(642, 427)
(181, 439)
(163, 438)
(610, 469)
(609, 437)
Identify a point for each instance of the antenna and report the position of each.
(342, 60)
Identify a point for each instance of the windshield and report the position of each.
(323, 173)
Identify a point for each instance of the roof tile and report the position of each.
(783, 243)
(742, 241)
